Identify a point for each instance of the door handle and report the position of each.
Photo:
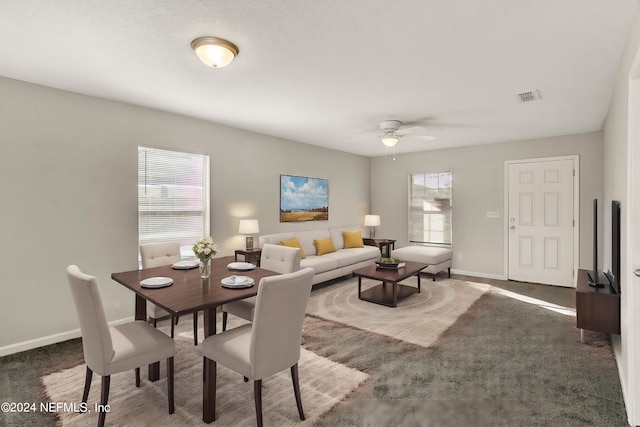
(637, 272)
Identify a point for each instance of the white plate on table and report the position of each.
(241, 266)
(237, 282)
(156, 282)
(186, 265)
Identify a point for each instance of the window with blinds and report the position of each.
(430, 207)
(173, 196)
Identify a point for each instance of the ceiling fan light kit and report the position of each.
(389, 141)
(390, 133)
(388, 129)
(214, 52)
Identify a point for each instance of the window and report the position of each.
(430, 207)
(173, 196)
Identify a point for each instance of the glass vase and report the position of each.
(205, 268)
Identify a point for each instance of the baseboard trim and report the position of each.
(50, 339)
(476, 274)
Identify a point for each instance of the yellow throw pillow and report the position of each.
(324, 246)
(352, 239)
(293, 243)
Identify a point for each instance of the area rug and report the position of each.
(323, 384)
(418, 319)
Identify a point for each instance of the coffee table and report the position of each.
(390, 291)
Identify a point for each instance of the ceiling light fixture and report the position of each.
(389, 141)
(214, 52)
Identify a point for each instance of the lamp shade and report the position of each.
(249, 226)
(214, 52)
(372, 220)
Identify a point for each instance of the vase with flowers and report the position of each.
(205, 249)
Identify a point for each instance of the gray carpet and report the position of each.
(505, 362)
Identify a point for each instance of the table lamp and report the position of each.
(249, 227)
(372, 221)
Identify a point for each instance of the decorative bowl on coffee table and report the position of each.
(388, 263)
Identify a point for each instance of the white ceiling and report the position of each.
(325, 71)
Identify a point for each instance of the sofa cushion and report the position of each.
(293, 243)
(307, 237)
(352, 239)
(344, 257)
(275, 239)
(320, 264)
(324, 246)
(336, 235)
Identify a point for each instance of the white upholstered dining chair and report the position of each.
(281, 259)
(271, 343)
(111, 350)
(156, 255)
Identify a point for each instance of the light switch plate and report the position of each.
(493, 214)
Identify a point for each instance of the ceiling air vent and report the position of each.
(529, 96)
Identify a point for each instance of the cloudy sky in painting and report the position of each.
(301, 193)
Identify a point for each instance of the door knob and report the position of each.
(637, 272)
(513, 227)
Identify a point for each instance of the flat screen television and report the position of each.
(594, 277)
(613, 275)
(610, 278)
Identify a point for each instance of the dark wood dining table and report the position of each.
(190, 293)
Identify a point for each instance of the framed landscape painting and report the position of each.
(303, 199)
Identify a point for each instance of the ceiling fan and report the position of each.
(390, 133)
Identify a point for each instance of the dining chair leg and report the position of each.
(87, 385)
(296, 390)
(177, 318)
(195, 328)
(155, 323)
(104, 398)
(257, 396)
(170, 384)
(138, 377)
(172, 326)
(224, 321)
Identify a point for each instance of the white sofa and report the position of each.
(331, 265)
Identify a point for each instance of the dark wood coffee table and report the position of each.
(390, 291)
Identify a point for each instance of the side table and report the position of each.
(249, 255)
(385, 245)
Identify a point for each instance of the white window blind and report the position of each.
(430, 207)
(173, 196)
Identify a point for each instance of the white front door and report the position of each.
(541, 222)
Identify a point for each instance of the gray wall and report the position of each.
(69, 195)
(478, 187)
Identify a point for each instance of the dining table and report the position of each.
(190, 293)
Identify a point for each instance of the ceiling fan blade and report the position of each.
(414, 130)
(370, 136)
(423, 137)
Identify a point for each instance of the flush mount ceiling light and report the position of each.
(214, 52)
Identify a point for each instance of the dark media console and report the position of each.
(597, 308)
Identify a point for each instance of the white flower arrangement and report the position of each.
(205, 249)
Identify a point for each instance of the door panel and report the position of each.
(541, 222)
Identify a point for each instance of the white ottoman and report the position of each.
(437, 258)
